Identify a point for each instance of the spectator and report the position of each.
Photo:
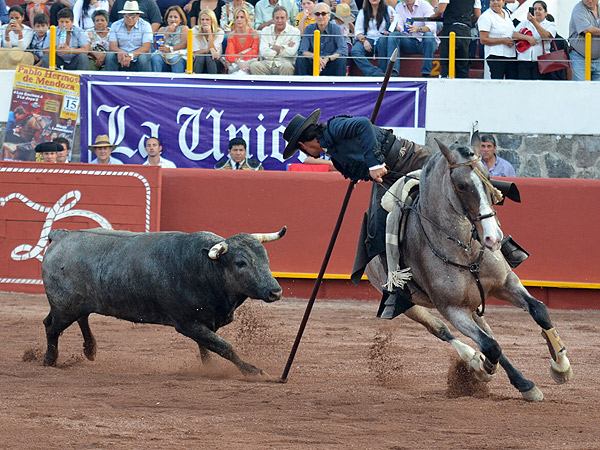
(333, 50)
(416, 37)
(306, 16)
(130, 41)
(62, 155)
(171, 56)
(278, 46)
(48, 151)
(208, 43)
(584, 19)
(154, 149)
(148, 8)
(242, 45)
(3, 12)
(215, 6)
(57, 7)
(238, 159)
(498, 167)
(35, 7)
(103, 149)
(496, 31)
(372, 37)
(263, 12)
(227, 13)
(16, 35)
(530, 33)
(333, 5)
(41, 37)
(345, 19)
(72, 55)
(458, 15)
(99, 43)
(83, 12)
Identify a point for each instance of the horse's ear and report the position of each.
(475, 141)
(449, 154)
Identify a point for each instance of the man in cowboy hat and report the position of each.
(361, 151)
(130, 41)
(48, 151)
(150, 9)
(103, 148)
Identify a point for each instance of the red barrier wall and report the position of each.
(557, 221)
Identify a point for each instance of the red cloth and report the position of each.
(524, 45)
(298, 167)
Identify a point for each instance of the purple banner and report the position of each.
(195, 118)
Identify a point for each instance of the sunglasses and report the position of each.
(129, 15)
(320, 14)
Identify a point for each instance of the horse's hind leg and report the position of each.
(474, 359)
(89, 342)
(463, 322)
(515, 293)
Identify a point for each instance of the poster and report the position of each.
(44, 106)
(196, 117)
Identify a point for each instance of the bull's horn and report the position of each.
(218, 250)
(269, 237)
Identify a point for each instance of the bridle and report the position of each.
(473, 267)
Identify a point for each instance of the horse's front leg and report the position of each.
(515, 293)
(462, 320)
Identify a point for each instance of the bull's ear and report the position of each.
(218, 250)
(450, 155)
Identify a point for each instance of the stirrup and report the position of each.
(513, 252)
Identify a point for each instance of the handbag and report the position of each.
(553, 61)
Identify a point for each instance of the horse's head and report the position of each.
(475, 193)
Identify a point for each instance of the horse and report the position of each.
(452, 247)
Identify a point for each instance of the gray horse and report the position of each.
(454, 269)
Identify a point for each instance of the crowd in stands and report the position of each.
(277, 36)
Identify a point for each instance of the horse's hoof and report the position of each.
(477, 366)
(561, 377)
(533, 395)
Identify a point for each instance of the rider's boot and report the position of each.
(394, 303)
(513, 252)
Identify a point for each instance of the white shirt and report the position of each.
(202, 44)
(532, 53)
(497, 27)
(372, 31)
(165, 163)
(476, 3)
(421, 8)
(14, 38)
(85, 21)
(112, 161)
(288, 53)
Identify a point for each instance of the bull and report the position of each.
(192, 282)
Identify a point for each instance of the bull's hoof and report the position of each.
(250, 371)
(533, 395)
(50, 362)
(561, 377)
(89, 350)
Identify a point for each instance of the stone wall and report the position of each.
(539, 155)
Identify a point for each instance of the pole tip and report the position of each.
(394, 55)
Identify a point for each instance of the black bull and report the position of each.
(192, 282)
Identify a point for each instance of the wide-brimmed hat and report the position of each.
(45, 147)
(523, 45)
(295, 129)
(131, 7)
(342, 12)
(102, 141)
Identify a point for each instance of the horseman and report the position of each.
(361, 151)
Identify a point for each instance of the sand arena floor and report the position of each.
(357, 383)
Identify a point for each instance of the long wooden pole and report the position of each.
(336, 230)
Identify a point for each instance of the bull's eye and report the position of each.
(241, 264)
(461, 186)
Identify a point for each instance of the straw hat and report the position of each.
(342, 12)
(102, 141)
(131, 7)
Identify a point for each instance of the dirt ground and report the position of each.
(356, 382)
